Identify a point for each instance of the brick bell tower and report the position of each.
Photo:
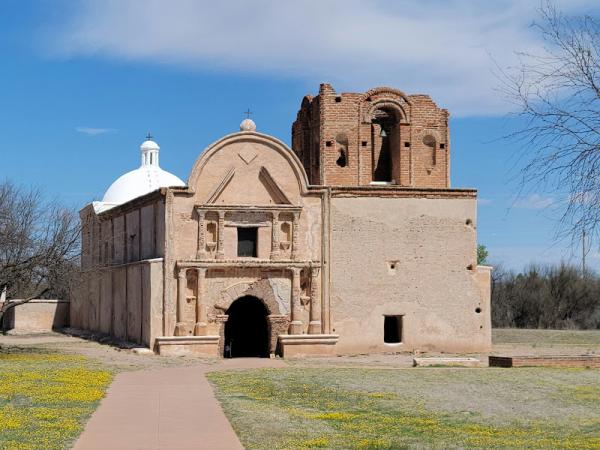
(382, 137)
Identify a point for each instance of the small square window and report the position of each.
(364, 143)
(392, 329)
(328, 143)
(247, 237)
(442, 145)
(407, 144)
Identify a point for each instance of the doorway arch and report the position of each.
(247, 329)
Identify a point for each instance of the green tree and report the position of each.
(482, 254)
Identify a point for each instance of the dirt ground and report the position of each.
(507, 342)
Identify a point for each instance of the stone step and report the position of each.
(446, 361)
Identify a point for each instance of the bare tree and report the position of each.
(39, 246)
(558, 98)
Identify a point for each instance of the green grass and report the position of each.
(412, 408)
(45, 398)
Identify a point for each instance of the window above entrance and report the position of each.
(247, 238)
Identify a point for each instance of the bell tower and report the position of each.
(382, 137)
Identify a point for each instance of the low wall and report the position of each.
(37, 316)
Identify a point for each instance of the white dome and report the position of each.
(147, 178)
(149, 145)
(139, 182)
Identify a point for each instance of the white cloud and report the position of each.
(534, 201)
(94, 131)
(442, 48)
(484, 201)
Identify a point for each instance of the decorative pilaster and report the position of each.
(201, 252)
(314, 326)
(275, 235)
(295, 235)
(181, 293)
(201, 306)
(220, 232)
(296, 323)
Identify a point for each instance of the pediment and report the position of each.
(248, 187)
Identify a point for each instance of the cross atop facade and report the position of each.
(149, 136)
(248, 113)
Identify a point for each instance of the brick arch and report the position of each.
(385, 97)
(384, 91)
(387, 103)
(260, 289)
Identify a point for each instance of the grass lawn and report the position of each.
(45, 397)
(545, 337)
(306, 407)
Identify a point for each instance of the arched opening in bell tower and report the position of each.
(386, 144)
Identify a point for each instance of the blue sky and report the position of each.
(81, 83)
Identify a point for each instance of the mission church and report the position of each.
(352, 241)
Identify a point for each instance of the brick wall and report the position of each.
(332, 125)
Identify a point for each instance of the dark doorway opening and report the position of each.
(392, 329)
(247, 329)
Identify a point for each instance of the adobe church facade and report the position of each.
(350, 242)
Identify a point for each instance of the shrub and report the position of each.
(558, 297)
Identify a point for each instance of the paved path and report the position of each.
(164, 409)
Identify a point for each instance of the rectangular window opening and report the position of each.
(247, 238)
(392, 329)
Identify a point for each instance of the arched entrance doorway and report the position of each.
(247, 329)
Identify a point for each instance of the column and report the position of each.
(220, 232)
(181, 294)
(295, 235)
(296, 323)
(201, 306)
(275, 235)
(201, 252)
(314, 326)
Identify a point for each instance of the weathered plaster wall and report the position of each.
(412, 257)
(124, 301)
(121, 292)
(37, 316)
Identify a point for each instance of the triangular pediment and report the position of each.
(248, 187)
(272, 187)
(218, 190)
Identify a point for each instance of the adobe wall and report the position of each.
(414, 257)
(123, 301)
(37, 316)
(121, 288)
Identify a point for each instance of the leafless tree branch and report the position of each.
(39, 246)
(558, 96)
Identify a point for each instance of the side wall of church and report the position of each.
(121, 288)
(409, 257)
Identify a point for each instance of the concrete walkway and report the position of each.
(164, 409)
